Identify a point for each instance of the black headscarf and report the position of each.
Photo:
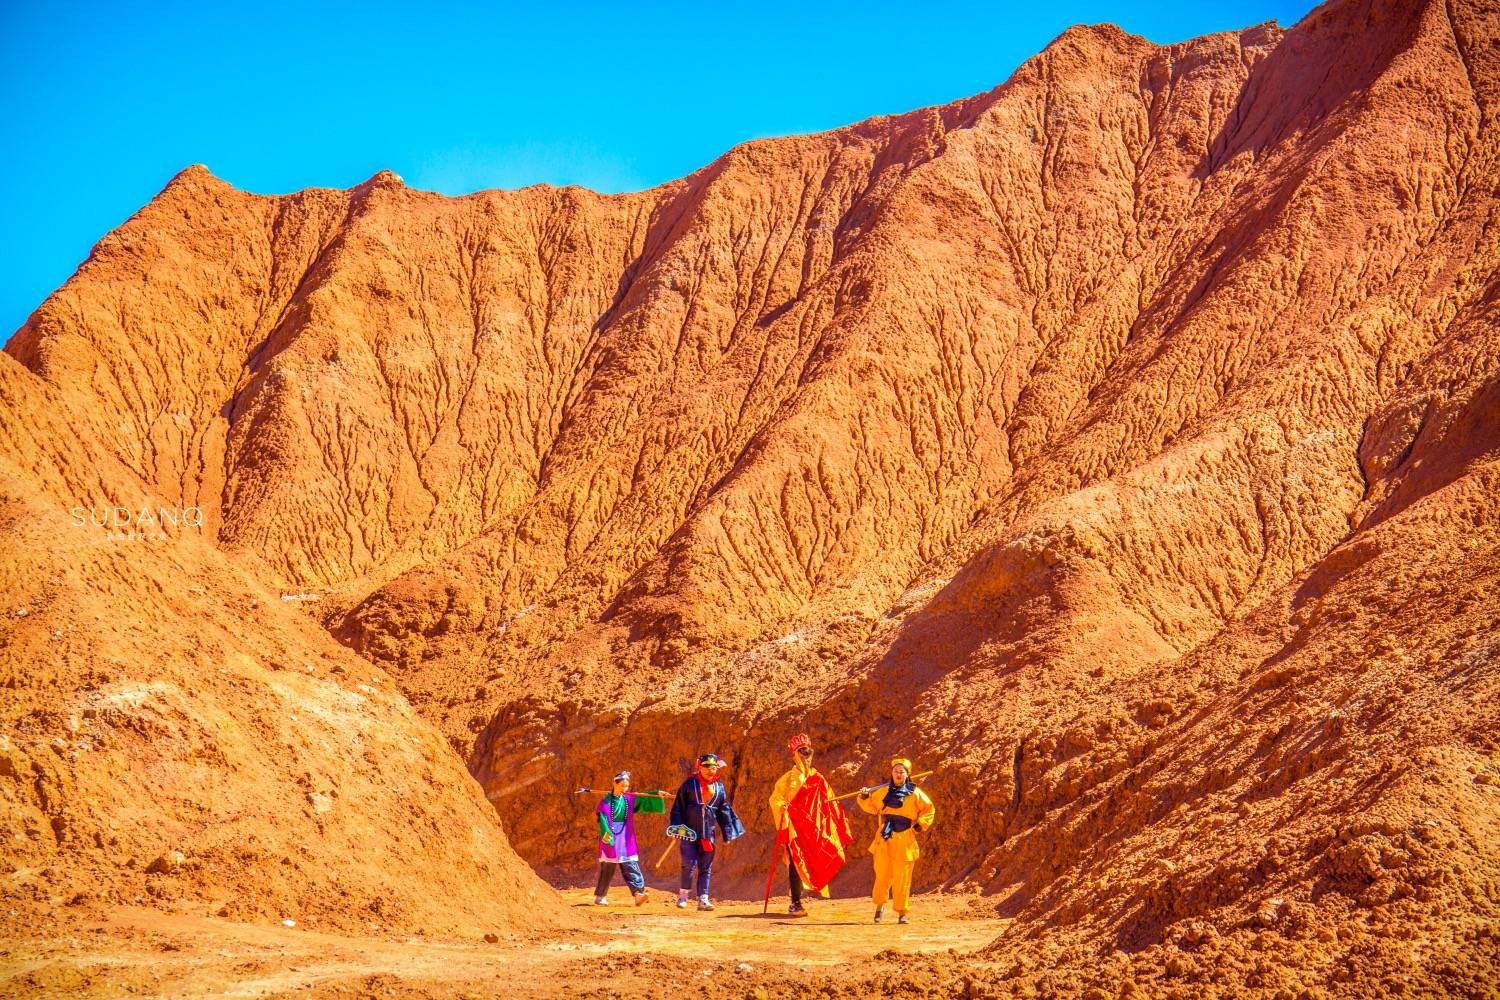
(896, 794)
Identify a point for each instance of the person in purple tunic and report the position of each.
(617, 848)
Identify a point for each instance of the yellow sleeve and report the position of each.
(926, 811)
(779, 797)
(870, 803)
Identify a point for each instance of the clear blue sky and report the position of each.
(103, 102)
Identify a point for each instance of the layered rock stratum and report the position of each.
(1120, 443)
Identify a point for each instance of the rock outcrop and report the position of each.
(176, 734)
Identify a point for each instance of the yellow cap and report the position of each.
(903, 761)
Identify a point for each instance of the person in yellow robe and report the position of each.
(810, 824)
(904, 811)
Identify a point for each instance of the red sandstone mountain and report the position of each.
(175, 733)
(1121, 442)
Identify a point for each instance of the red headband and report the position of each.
(798, 742)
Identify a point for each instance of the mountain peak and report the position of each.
(195, 175)
(384, 179)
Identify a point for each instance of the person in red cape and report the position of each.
(810, 825)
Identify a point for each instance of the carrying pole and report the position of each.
(876, 788)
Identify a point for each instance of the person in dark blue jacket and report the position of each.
(701, 804)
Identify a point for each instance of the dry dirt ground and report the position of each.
(735, 950)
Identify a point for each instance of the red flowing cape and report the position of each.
(821, 833)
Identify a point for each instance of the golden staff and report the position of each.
(876, 788)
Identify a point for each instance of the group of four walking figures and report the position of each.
(811, 829)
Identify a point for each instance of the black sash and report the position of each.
(894, 824)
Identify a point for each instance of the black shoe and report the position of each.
(901, 919)
(877, 916)
(796, 910)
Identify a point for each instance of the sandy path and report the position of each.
(140, 952)
(837, 931)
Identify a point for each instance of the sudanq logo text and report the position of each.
(137, 519)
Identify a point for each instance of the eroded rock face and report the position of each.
(175, 734)
(1120, 442)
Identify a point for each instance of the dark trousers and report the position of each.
(630, 869)
(795, 881)
(693, 855)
